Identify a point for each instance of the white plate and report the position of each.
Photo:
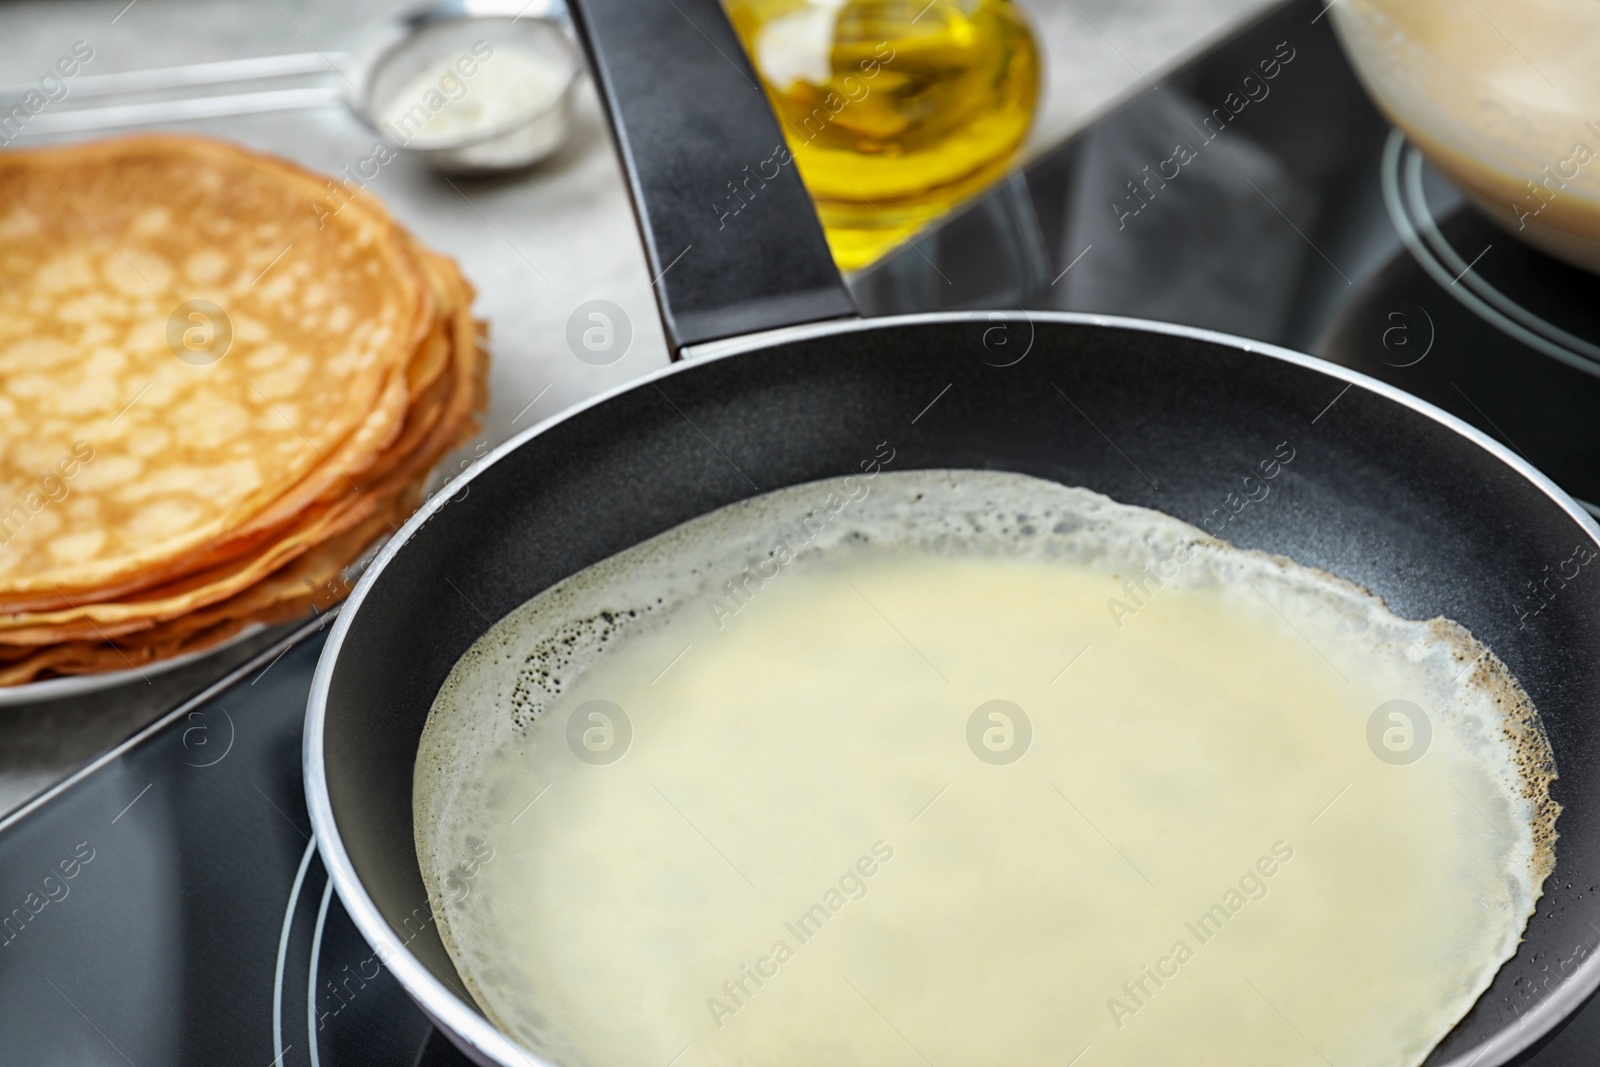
(79, 684)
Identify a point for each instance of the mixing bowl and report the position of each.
(1502, 97)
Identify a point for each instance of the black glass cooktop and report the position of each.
(166, 906)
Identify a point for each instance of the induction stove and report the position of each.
(166, 906)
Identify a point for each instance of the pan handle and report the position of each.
(730, 235)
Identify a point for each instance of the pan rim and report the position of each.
(463, 1022)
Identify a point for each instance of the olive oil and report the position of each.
(894, 110)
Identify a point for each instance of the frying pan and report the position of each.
(779, 383)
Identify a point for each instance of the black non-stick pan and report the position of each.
(781, 384)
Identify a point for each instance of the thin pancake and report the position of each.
(312, 581)
(233, 555)
(102, 245)
(440, 420)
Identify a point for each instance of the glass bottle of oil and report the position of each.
(894, 110)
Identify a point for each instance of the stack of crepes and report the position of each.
(222, 378)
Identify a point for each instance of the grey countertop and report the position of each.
(536, 245)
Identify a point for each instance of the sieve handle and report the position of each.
(731, 238)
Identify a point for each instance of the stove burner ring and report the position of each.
(300, 893)
(1414, 221)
